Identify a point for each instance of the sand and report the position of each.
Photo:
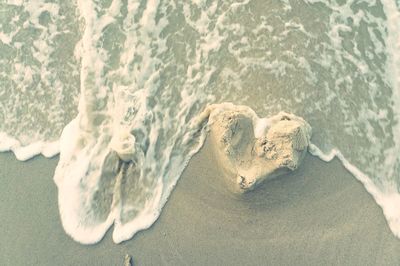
(317, 215)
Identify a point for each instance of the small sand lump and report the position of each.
(127, 260)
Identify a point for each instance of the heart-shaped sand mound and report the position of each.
(252, 150)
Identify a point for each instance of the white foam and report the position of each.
(23, 153)
(97, 188)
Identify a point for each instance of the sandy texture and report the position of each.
(249, 160)
(318, 215)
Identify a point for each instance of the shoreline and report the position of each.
(319, 214)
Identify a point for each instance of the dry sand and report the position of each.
(318, 215)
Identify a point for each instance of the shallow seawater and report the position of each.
(127, 79)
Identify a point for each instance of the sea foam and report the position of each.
(23, 153)
(124, 84)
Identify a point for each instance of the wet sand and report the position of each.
(317, 215)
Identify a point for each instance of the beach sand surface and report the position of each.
(317, 215)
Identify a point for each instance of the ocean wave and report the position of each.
(123, 84)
